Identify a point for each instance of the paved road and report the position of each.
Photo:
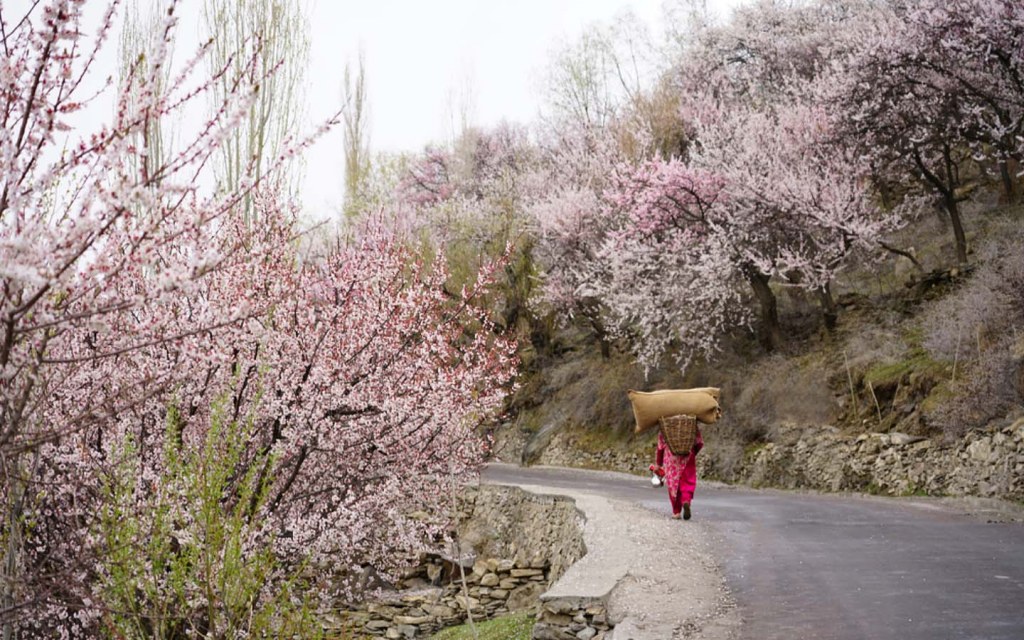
(843, 567)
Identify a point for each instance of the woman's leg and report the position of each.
(676, 498)
(688, 481)
(687, 484)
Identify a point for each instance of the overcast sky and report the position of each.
(421, 56)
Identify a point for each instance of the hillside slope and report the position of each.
(919, 389)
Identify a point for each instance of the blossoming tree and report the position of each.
(935, 91)
(794, 207)
(141, 316)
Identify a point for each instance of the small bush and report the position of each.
(880, 339)
(978, 328)
(985, 390)
(987, 307)
(779, 392)
(186, 553)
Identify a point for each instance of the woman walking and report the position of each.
(680, 474)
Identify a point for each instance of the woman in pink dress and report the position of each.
(680, 474)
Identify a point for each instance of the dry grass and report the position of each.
(976, 330)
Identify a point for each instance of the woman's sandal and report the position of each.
(686, 511)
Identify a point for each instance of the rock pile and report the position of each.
(495, 587)
(570, 619)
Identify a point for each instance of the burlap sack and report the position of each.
(650, 406)
(714, 392)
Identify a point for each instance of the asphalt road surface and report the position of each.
(804, 565)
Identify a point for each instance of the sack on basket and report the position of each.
(649, 407)
(680, 433)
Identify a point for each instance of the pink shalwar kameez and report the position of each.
(680, 472)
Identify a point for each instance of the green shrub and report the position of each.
(513, 627)
(186, 553)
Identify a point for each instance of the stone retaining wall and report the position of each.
(561, 452)
(495, 587)
(514, 546)
(988, 464)
(529, 529)
(571, 619)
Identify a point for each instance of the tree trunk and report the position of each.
(949, 200)
(909, 255)
(593, 315)
(829, 310)
(602, 337)
(884, 191)
(1009, 184)
(771, 334)
(949, 195)
(12, 548)
(541, 329)
(946, 181)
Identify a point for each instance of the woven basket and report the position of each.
(680, 433)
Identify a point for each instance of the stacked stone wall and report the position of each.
(985, 463)
(572, 619)
(513, 546)
(494, 586)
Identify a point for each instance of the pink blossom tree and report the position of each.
(794, 207)
(758, 190)
(627, 249)
(570, 220)
(770, 50)
(470, 202)
(666, 280)
(570, 226)
(664, 248)
(975, 50)
(81, 223)
(933, 91)
(133, 295)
